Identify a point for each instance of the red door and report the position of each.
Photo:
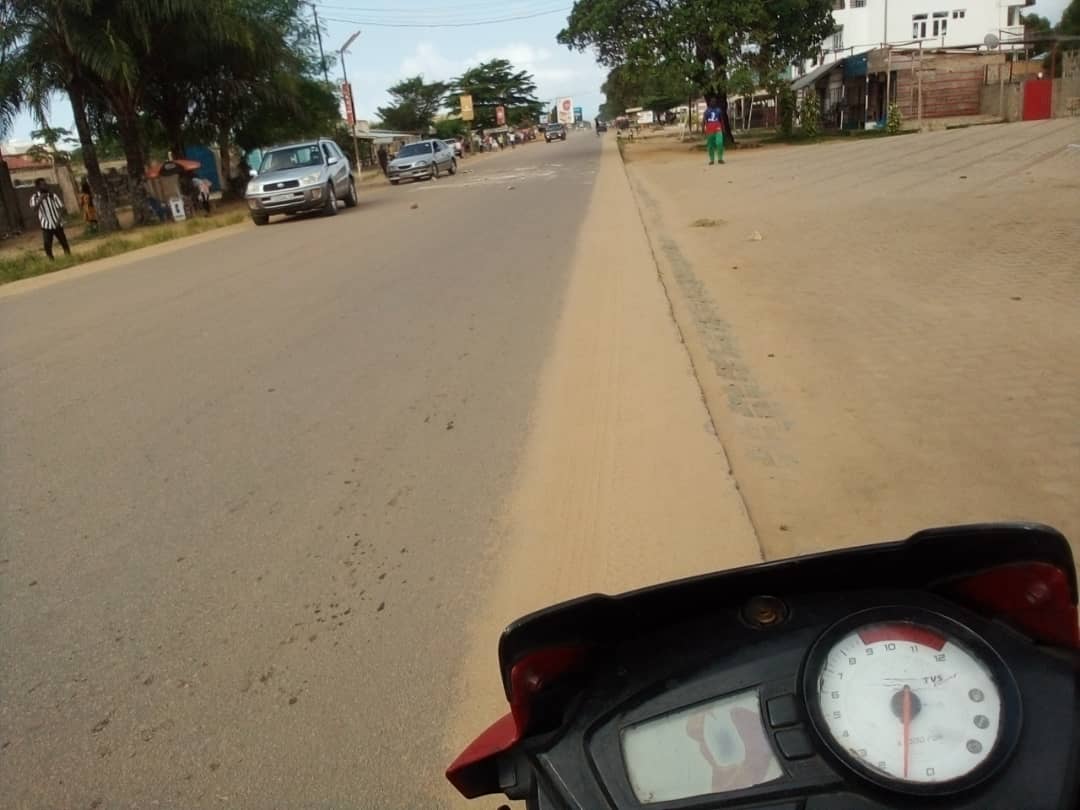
(1037, 99)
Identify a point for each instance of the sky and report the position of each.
(385, 53)
(393, 46)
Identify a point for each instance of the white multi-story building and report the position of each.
(862, 25)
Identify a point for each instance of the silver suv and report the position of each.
(310, 176)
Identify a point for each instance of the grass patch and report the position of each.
(707, 222)
(829, 136)
(32, 263)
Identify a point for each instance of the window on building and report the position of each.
(1014, 15)
(838, 5)
(858, 3)
(941, 23)
(959, 14)
(918, 26)
(838, 38)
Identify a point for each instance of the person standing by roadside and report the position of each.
(50, 211)
(714, 131)
(384, 159)
(86, 202)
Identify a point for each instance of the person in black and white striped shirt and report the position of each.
(50, 211)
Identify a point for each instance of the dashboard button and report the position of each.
(794, 744)
(782, 711)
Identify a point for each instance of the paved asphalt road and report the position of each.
(250, 488)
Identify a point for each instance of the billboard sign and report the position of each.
(500, 115)
(579, 115)
(564, 108)
(346, 96)
(467, 113)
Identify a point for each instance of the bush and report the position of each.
(786, 100)
(895, 120)
(811, 114)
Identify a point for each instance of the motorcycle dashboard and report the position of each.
(869, 700)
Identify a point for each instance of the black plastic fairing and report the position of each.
(928, 560)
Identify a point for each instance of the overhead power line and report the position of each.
(468, 6)
(471, 23)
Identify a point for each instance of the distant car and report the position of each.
(601, 126)
(455, 146)
(423, 160)
(555, 132)
(298, 177)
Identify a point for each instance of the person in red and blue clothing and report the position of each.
(714, 131)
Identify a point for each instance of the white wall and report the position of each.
(865, 28)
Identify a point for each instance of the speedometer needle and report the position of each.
(906, 702)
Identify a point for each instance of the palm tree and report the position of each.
(50, 51)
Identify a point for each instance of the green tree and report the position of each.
(785, 99)
(657, 90)
(493, 84)
(50, 151)
(1070, 24)
(1036, 27)
(743, 83)
(811, 114)
(13, 69)
(701, 41)
(895, 121)
(50, 42)
(309, 109)
(451, 128)
(413, 105)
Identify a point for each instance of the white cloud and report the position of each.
(554, 76)
(556, 72)
(425, 60)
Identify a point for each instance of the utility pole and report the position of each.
(318, 36)
(347, 88)
(920, 83)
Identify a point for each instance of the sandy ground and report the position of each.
(623, 481)
(887, 331)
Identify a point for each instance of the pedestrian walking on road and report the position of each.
(50, 211)
(714, 131)
(384, 158)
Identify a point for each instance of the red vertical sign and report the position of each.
(346, 95)
(500, 115)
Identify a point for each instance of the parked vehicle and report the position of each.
(455, 146)
(941, 672)
(555, 132)
(423, 160)
(298, 177)
(601, 126)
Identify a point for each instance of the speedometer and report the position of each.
(912, 700)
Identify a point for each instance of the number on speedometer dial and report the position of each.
(906, 701)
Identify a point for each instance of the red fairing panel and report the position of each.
(1033, 597)
(473, 772)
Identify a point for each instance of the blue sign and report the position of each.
(578, 115)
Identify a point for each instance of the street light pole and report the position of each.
(352, 103)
